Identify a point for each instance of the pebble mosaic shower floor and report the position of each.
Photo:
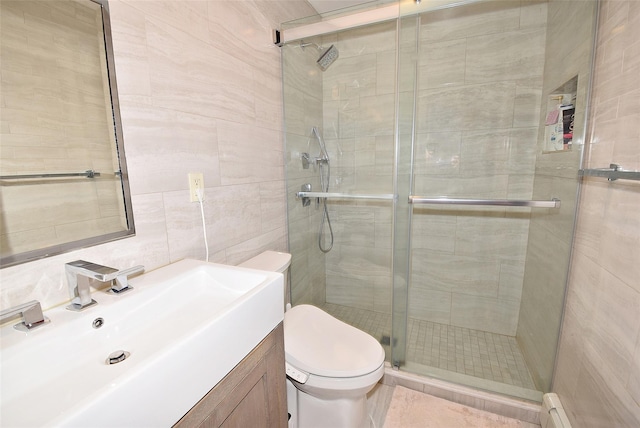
(475, 353)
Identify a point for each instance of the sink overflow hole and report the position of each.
(117, 356)
(98, 322)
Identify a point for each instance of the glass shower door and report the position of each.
(479, 191)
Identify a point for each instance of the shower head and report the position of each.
(327, 58)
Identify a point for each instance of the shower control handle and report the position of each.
(305, 200)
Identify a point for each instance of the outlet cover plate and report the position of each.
(196, 181)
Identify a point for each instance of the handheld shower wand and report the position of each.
(323, 161)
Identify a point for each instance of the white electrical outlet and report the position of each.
(196, 182)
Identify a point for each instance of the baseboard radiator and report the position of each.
(552, 414)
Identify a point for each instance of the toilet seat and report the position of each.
(321, 345)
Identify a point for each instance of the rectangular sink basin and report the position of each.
(185, 325)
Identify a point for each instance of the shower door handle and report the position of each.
(423, 200)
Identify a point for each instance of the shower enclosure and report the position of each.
(438, 151)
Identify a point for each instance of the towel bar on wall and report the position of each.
(88, 173)
(613, 173)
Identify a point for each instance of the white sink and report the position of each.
(186, 326)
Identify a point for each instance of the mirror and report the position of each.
(63, 178)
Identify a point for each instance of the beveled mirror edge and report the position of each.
(28, 256)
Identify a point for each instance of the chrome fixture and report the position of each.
(98, 322)
(117, 357)
(306, 193)
(306, 200)
(553, 203)
(323, 161)
(613, 173)
(78, 274)
(327, 56)
(306, 160)
(88, 173)
(321, 158)
(31, 313)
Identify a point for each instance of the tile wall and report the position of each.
(200, 91)
(598, 369)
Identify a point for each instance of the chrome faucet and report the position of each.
(31, 313)
(78, 274)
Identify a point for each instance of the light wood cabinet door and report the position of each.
(252, 395)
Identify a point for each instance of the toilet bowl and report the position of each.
(331, 366)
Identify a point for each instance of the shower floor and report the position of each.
(480, 354)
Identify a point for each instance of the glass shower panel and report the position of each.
(476, 135)
(352, 104)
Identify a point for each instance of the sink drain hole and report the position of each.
(117, 357)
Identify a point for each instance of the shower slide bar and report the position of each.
(554, 203)
(383, 196)
(613, 173)
(88, 173)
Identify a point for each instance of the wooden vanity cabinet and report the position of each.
(252, 395)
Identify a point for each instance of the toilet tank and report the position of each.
(273, 261)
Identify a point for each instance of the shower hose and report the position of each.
(324, 184)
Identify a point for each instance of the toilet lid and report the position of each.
(322, 345)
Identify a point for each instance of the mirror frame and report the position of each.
(29, 256)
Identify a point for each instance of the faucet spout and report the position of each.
(78, 274)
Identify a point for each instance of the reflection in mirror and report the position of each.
(63, 176)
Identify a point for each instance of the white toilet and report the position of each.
(331, 366)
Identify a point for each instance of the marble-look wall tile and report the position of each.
(369, 39)
(155, 138)
(438, 153)
(247, 154)
(471, 21)
(440, 63)
(478, 106)
(485, 313)
(430, 305)
(503, 238)
(457, 274)
(511, 277)
(191, 101)
(485, 63)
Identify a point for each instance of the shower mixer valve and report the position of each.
(306, 201)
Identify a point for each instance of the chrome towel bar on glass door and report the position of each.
(383, 196)
(554, 203)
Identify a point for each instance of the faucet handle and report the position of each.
(31, 313)
(121, 283)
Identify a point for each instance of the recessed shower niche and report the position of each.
(560, 118)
